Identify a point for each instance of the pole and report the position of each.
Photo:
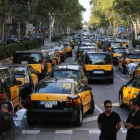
(118, 27)
(129, 28)
(5, 35)
(50, 22)
(122, 25)
(29, 8)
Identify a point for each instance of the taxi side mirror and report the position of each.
(47, 74)
(90, 88)
(124, 84)
(18, 83)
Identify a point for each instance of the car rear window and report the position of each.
(119, 50)
(66, 45)
(27, 58)
(18, 70)
(56, 87)
(134, 56)
(19, 75)
(66, 74)
(98, 59)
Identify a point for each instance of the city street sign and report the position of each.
(129, 30)
(122, 29)
(43, 27)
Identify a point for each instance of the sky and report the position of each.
(86, 15)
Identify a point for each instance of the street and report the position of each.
(89, 129)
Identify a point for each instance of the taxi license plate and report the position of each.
(98, 72)
(48, 104)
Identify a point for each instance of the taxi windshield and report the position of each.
(66, 45)
(54, 87)
(66, 74)
(134, 56)
(118, 50)
(98, 59)
(27, 58)
(115, 44)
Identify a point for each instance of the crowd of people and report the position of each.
(109, 122)
(7, 114)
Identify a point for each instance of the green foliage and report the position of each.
(135, 42)
(10, 49)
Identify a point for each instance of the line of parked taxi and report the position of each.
(52, 92)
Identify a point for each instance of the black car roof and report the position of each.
(53, 80)
(70, 67)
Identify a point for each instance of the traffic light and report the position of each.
(103, 15)
(68, 14)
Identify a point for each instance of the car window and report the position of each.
(27, 58)
(98, 59)
(67, 74)
(138, 83)
(132, 83)
(58, 87)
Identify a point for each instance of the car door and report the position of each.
(49, 64)
(33, 76)
(128, 89)
(135, 90)
(85, 96)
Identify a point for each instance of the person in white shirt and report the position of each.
(131, 67)
(20, 112)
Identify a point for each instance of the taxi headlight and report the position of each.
(118, 57)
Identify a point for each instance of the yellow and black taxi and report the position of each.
(27, 77)
(68, 49)
(137, 70)
(127, 57)
(70, 71)
(129, 90)
(99, 66)
(60, 99)
(62, 51)
(8, 84)
(117, 53)
(39, 60)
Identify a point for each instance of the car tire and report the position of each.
(111, 81)
(30, 121)
(71, 54)
(121, 103)
(79, 120)
(92, 108)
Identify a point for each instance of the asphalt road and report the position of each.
(89, 130)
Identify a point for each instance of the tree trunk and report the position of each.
(19, 29)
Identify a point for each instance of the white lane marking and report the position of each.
(121, 78)
(98, 109)
(94, 131)
(89, 119)
(64, 132)
(30, 131)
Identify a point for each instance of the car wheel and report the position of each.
(30, 121)
(79, 120)
(92, 108)
(111, 81)
(121, 103)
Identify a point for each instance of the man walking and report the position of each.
(109, 122)
(133, 121)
